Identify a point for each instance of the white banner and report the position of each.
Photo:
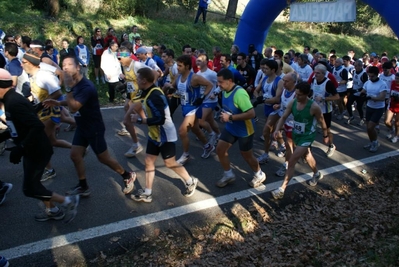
(338, 11)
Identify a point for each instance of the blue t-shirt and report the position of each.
(159, 62)
(88, 118)
(14, 67)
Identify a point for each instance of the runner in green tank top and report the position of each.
(306, 113)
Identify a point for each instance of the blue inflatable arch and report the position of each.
(259, 15)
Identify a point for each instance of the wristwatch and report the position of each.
(139, 120)
(68, 89)
(230, 118)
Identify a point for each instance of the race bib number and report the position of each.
(130, 87)
(299, 127)
(183, 98)
(12, 129)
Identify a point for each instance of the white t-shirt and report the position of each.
(388, 80)
(304, 72)
(211, 76)
(373, 89)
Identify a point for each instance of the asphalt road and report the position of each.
(108, 212)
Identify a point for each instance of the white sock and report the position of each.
(186, 154)
(148, 191)
(258, 173)
(66, 201)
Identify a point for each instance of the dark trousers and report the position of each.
(33, 171)
(111, 91)
(174, 102)
(201, 10)
(359, 104)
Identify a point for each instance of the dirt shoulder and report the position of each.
(352, 224)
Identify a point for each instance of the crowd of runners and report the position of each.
(217, 91)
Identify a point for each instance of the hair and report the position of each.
(288, 55)
(321, 67)
(48, 42)
(48, 47)
(279, 52)
(304, 58)
(297, 54)
(332, 51)
(339, 60)
(75, 59)
(96, 29)
(226, 74)
(7, 36)
(128, 45)
(185, 46)
(123, 48)
(358, 63)
(272, 64)
(111, 42)
(334, 56)
(263, 61)
(306, 47)
(236, 48)
(26, 40)
(11, 48)
(315, 51)
(243, 55)
(169, 52)
(303, 87)
(135, 26)
(65, 40)
(387, 65)
(123, 35)
(185, 59)
(217, 48)
(227, 57)
(384, 54)
(293, 76)
(147, 74)
(347, 58)
(323, 55)
(373, 70)
(201, 51)
(77, 39)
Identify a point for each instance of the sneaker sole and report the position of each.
(47, 178)
(141, 199)
(277, 197)
(138, 150)
(74, 212)
(51, 218)
(231, 180)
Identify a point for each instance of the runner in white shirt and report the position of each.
(204, 114)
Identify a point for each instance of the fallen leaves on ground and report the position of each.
(344, 226)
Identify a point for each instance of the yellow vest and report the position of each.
(132, 86)
(41, 94)
(153, 130)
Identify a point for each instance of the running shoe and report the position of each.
(71, 209)
(183, 159)
(278, 193)
(4, 190)
(141, 196)
(374, 146)
(361, 122)
(129, 183)
(281, 152)
(264, 158)
(78, 190)
(281, 172)
(48, 174)
(330, 151)
(273, 146)
(190, 189)
(208, 151)
(133, 151)
(47, 215)
(349, 120)
(258, 180)
(4, 262)
(123, 132)
(394, 139)
(367, 147)
(315, 178)
(225, 180)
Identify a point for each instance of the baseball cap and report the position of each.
(373, 54)
(141, 50)
(5, 75)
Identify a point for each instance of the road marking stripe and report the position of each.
(115, 227)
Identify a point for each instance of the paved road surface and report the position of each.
(107, 212)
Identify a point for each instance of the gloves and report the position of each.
(259, 100)
(197, 102)
(16, 154)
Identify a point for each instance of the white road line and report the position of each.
(71, 238)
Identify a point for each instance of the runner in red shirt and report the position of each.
(393, 110)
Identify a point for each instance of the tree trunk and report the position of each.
(53, 8)
(231, 9)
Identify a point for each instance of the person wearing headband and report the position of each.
(33, 147)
